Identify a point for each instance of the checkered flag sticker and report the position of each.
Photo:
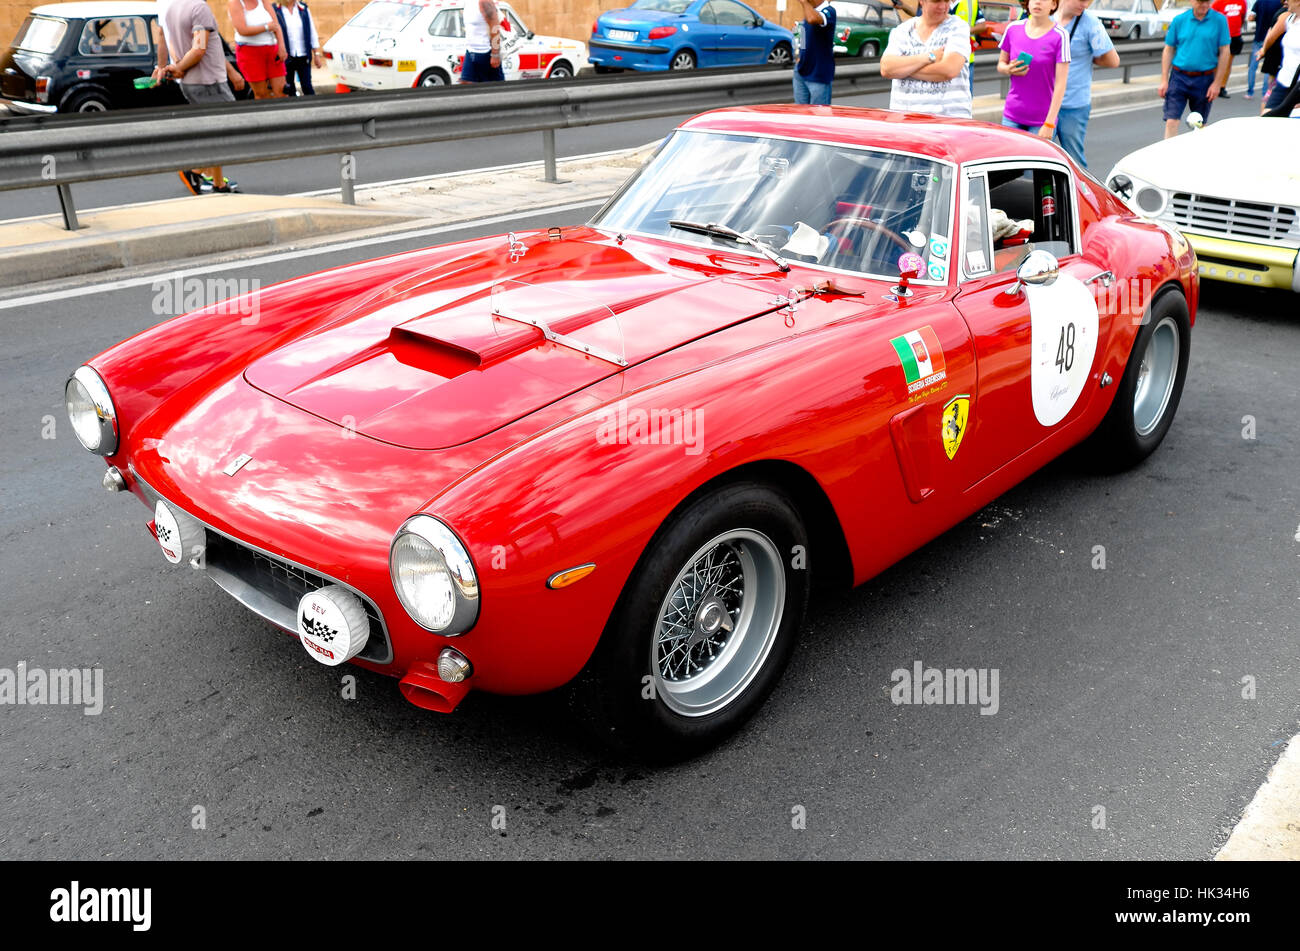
(164, 533)
(318, 629)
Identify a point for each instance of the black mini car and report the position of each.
(84, 57)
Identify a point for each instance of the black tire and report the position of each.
(1120, 442)
(869, 49)
(434, 77)
(618, 693)
(560, 69)
(86, 99)
(781, 55)
(683, 60)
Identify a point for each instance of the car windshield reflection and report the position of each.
(863, 211)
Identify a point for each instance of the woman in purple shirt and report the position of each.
(1036, 55)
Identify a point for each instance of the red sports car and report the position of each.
(794, 347)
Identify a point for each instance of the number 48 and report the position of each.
(1065, 349)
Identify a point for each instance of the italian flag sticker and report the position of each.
(922, 358)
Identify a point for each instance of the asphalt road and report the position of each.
(381, 165)
(1119, 688)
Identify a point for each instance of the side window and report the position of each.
(448, 23)
(1029, 208)
(975, 229)
(708, 14)
(114, 36)
(731, 14)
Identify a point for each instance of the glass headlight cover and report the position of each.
(91, 411)
(434, 577)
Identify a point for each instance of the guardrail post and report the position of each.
(347, 175)
(1128, 72)
(548, 156)
(69, 209)
(1004, 86)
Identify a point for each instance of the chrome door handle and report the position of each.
(1106, 278)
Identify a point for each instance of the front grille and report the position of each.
(283, 584)
(1237, 219)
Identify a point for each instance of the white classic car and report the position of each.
(1245, 227)
(1130, 19)
(400, 44)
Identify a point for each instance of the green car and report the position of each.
(862, 29)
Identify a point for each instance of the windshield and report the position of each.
(848, 209)
(41, 34)
(668, 6)
(383, 15)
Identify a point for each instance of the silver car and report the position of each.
(1129, 19)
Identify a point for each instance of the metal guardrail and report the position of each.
(61, 151)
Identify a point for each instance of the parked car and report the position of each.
(995, 15)
(83, 57)
(400, 44)
(1130, 19)
(687, 34)
(792, 348)
(862, 29)
(1245, 228)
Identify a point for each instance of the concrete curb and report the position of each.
(1269, 829)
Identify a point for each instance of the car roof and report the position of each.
(940, 137)
(95, 8)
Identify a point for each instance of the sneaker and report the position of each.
(191, 179)
(206, 187)
(1249, 96)
(1224, 95)
(225, 188)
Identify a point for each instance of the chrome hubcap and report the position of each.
(1156, 375)
(683, 61)
(718, 622)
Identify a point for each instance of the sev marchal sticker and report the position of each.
(922, 358)
(955, 416)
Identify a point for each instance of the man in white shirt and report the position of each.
(303, 45)
(482, 43)
(927, 59)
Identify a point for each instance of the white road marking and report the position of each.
(172, 273)
(1270, 826)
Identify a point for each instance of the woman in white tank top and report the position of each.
(259, 46)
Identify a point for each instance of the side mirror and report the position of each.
(1195, 120)
(529, 35)
(757, 22)
(1039, 268)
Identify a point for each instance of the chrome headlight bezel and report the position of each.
(446, 554)
(87, 388)
(1138, 186)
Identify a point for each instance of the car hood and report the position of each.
(1196, 161)
(453, 354)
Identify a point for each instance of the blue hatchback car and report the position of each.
(686, 34)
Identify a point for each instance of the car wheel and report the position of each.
(1148, 395)
(703, 628)
(87, 100)
(869, 50)
(560, 70)
(682, 59)
(433, 77)
(780, 55)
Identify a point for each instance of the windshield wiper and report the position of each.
(722, 231)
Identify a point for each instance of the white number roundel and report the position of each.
(1063, 341)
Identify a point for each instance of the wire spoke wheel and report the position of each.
(718, 621)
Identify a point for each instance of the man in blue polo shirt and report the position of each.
(1089, 46)
(1197, 47)
(816, 67)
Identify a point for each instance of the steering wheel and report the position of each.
(850, 220)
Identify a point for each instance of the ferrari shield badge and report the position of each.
(955, 416)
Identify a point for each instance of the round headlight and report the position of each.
(434, 577)
(1150, 200)
(90, 409)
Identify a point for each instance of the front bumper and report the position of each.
(1245, 262)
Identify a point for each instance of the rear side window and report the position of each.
(1012, 211)
(114, 36)
(41, 34)
(448, 23)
